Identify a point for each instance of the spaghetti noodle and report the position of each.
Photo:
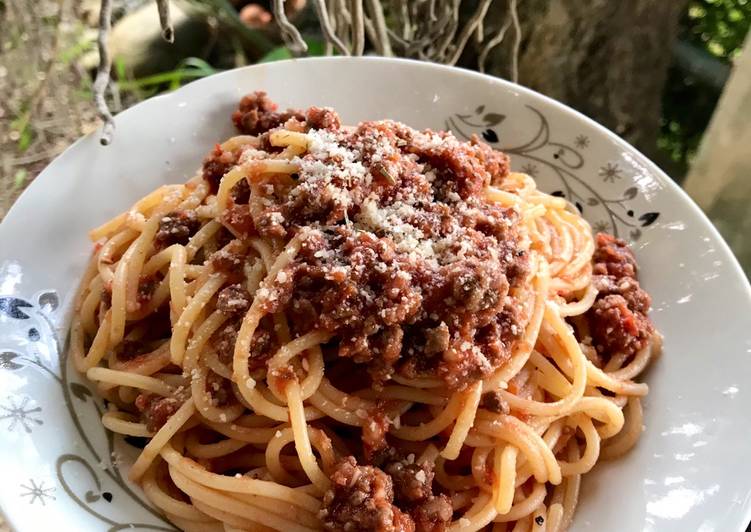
(362, 328)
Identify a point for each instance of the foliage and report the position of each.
(718, 28)
(188, 69)
(315, 48)
(718, 25)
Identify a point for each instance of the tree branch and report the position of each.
(102, 80)
(168, 32)
(492, 43)
(358, 28)
(328, 32)
(382, 42)
(514, 14)
(468, 29)
(290, 33)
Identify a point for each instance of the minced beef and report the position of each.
(146, 288)
(494, 402)
(618, 320)
(238, 219)
(361, 499)
(397, 492)
(374, 431)
(156, 410)
(257, 114)
(229, 260)
(412, 481)
(413, 493)
(216, 164)
(262, 347)
(433, 514)
(233, 300)
(224, 341)
(402, 259)
(106, 296)
(322, 118)
(129, 350)
(176, 227)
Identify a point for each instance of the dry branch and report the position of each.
(103, 81)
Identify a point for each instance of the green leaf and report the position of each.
(277, 54)
(316, 48)
(120, 71)
(199, 65)
(78, 49)
(19, 178)
(24, 141)
(188, 69)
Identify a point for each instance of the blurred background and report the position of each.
(669, 76)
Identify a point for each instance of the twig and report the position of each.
(453, 24)
(168, 32)
(103, 73)
(480, 33)
(517, 42)
(358, 28)
(404, 12)
(328, 32)
(492, 43)
(341, 22)
(290, 33)
(382, 42)
(328, 48)
(468, 29)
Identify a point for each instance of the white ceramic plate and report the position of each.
(689, 471)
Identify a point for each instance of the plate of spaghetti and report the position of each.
(420, 299)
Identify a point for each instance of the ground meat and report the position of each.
(262, 347)
(176, 227)
(156, 410)
(464, 168)
(402, 259)
(224, 342)
(233, 300)
(618, 320)
(437, 339)
(216, 164)
(239, 219)
(494, 402)
(229, 260)
(257, 114)
(374, 431)
(361, 499)
(269, 224)
(129, 350)
(240, 193)
(322, 118)
(106, 297)
(413, 493)
(146, 288)
(612, 256)
(433, 514)
(412, 481)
